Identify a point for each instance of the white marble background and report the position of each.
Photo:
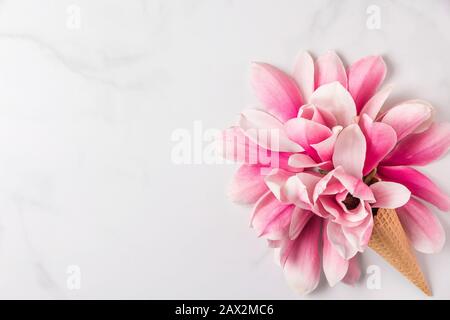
(88, 104)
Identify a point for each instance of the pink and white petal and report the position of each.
(364, 78)
(334, 98)
(350, 151)
(311, 112)
(334, 266)
(298, 189)
(305, 133)
(419, 185)
(331, 207)
(300, 218)
(309, 180)
(380, 140)
(427, 124)
(270, 217)
(278, 228)
(288, 187)
(339, 241)
(248, 185)
(326, 166)
(325, 148)
(354, 271)
(337, 179)
(374, 105)
(389, 195)
(320, 211)
(300, 160)
(421, 148)
(350, 218)
(359, 236)
(285, 250)
(322, 185)
(334, 187)
(329, 68)
(302, 266)
(267, 131)
(276, 182)
(422, 227)
(276, 90)
(355, 186)
(303, 161)
(234, 145)
(408, 116)
(304, 75)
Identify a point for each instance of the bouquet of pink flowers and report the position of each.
(329, 173)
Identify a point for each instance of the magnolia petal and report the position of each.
(276, 181)
(359, 236)
(325, 148)
(334, 98)
(306, 132)
(304, 75)
(300, 160)
(248, 185)
(300, 218)
(419, 185)
(364, 78)
(271, 218)
(355, 186)
(296, 188)
(302, 266)
(389, 195)
(353, 272)
(350, 150)
(350, 218)
(406, 117)
(329, 68)
(308, 180)
(276, 90)
(421, 148)
(426, 124)
(320, 187)
(234, 145)
(278, 227)
(339, 241)
(421, 226)
(267, 131)
(380, 140)
(322, 116)
(338, 179)
(374, 105)
(330, 206)
(334, 266)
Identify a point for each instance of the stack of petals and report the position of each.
(319, 157)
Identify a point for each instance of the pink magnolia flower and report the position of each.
(319, 157)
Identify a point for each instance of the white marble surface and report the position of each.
(86, 116)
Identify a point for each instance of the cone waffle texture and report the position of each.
(390, 241)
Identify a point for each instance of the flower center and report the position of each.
(351, 202)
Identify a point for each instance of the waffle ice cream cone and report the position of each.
(390, 241)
